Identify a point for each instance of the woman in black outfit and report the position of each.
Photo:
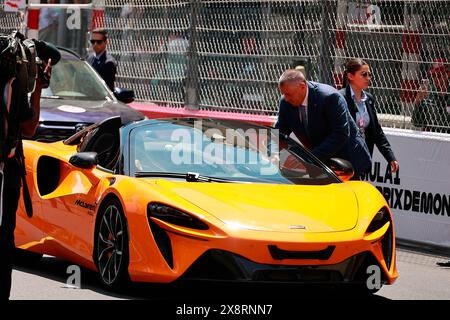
(361, 105)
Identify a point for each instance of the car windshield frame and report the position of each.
(294, 149)
(74, 79)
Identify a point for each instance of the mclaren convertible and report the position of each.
(166, 199)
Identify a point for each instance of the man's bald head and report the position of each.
(291, 75)
(292, 84)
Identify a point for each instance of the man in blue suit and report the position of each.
(100, 60)
(318, 115)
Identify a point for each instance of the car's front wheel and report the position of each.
(111, 244)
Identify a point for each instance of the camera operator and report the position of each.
(21, 72)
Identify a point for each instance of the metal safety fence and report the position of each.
(228, 55)
(10, 21)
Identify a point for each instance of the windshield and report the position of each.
(72, 78)
(225, 150)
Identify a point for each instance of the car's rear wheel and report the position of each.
(111, 243)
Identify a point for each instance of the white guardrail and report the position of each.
(419, 194)
(395, 121)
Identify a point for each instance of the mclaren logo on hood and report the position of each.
(297, 227)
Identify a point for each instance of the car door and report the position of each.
(69, 212)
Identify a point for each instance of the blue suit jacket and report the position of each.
(331, 130)
(106, 67)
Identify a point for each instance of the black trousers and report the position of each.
(11, 194)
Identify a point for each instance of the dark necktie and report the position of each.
(96, 64)
(303, 118)
(304, 129)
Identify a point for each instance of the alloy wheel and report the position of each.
(110, 245)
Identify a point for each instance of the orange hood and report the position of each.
(271, 207)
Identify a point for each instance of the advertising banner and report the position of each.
(419, 193)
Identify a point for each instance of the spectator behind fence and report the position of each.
(318, 116)
(432, 103)
(361, 105)
(173, 61)
(100, 60)
(176, 63)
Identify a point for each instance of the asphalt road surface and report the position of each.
(419, 278)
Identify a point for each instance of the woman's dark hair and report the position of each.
(352, 66)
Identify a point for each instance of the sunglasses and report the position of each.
(97, 41)
(366, 74)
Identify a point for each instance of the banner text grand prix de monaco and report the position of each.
(419, 194)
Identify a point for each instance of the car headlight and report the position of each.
(174, 216)
(379, 220)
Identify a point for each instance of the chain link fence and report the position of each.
(10, 21)
(228, 55)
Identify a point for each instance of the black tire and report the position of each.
(24, 257)
(111, 253)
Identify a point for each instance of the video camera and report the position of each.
(23, 59)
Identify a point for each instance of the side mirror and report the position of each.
(342, 168)
(124, 95)
(84, 160)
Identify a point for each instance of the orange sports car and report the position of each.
(164, 199)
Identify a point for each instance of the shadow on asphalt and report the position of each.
(194, 290)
